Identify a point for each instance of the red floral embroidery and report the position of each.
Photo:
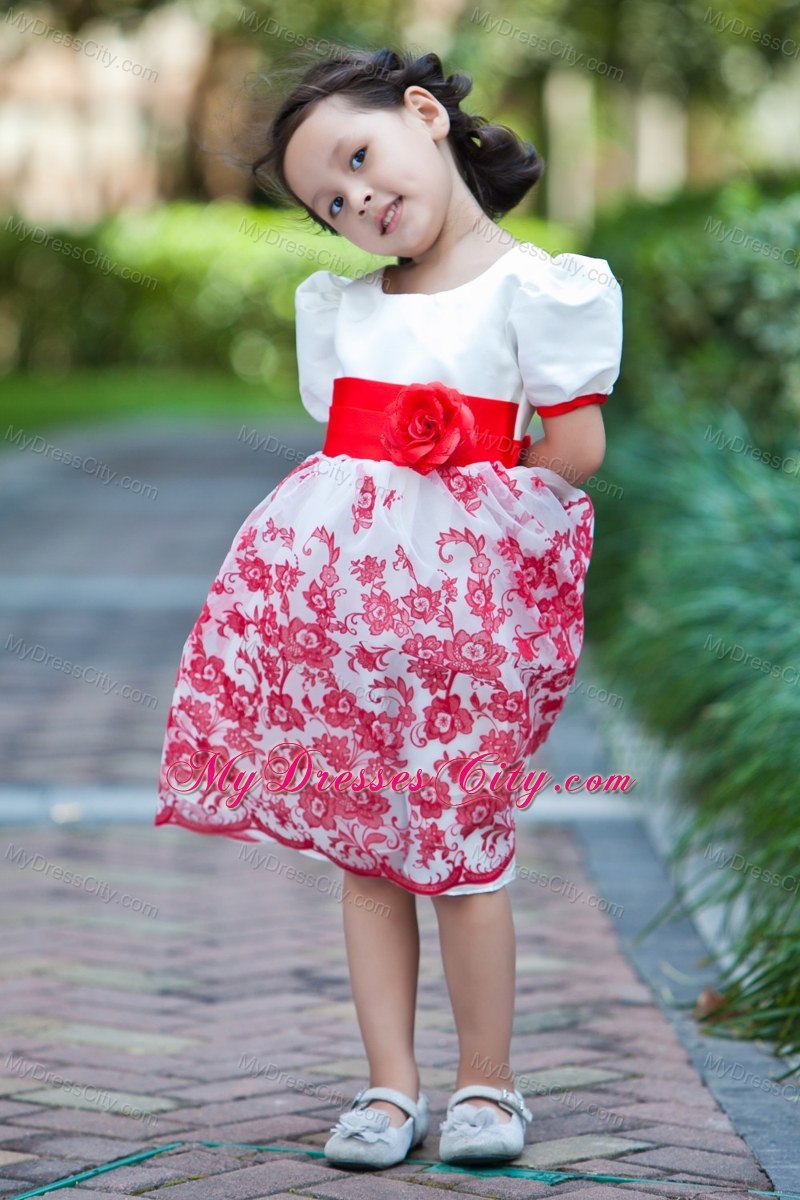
(425, 424)
(377, 640)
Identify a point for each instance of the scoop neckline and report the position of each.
(447, 291)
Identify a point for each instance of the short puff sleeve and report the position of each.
(566, 323)
(317, 300)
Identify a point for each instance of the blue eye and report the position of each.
(363, 150)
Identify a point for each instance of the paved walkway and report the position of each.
(191, 991)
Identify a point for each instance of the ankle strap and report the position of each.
(511, 1101)
(386, 1093)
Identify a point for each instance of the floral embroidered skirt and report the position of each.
(379, 650)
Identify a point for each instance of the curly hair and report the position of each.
(497, 165)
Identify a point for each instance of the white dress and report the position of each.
(371, 625)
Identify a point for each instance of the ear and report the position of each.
(422, 104)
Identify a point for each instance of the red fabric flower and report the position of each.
(425, 424)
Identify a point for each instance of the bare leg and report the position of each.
(382, 940)
(478, 942)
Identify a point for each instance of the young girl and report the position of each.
(396, 625)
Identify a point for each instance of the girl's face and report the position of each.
(348, 168)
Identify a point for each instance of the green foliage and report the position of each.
(691, 597)
(689, 48)
(711, 291)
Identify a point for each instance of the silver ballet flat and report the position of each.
(475, 1132)
(365, 1137)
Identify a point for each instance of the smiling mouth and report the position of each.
(392, 215)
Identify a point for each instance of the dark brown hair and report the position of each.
(497, 165)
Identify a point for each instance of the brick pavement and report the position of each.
(222, 1012)
(208, 1000)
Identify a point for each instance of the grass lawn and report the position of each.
(37, 403)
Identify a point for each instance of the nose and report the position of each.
(367, 198)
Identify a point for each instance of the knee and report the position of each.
(374, 885)
(445, 904)
(476, 907)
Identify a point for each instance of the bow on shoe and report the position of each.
(468, 1118)
(355, 1124)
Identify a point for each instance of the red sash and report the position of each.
(357, 419)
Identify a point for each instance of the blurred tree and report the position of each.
(74, 14)
(689, 48)
(625, 96)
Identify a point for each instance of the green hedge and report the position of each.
(711, 288)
